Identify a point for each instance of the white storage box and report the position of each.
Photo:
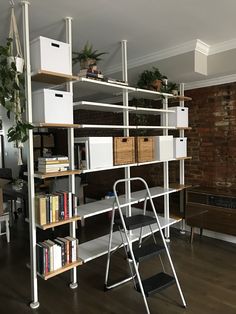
(50, 55)
(94, 152)
(180, 147)
(163, 147)
(52, 106)
(179, 118)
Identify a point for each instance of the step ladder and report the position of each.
(126, 225)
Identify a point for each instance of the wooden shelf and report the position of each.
(57, 125)
(52, 77)
(58, 223)
(61, 270)
(184, 128)
(180, 98)
(40, 175)
(179, 187)
(184, 158)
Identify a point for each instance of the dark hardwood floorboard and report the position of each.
(206, 271)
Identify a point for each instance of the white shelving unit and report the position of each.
(99, 246)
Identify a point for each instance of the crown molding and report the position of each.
(211, 82)
(223, 46)
(202, 47)
(159, 55)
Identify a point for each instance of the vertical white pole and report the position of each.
(70, 136)
(126, 117)
(166, 172)
(30, 157)
(181, 167)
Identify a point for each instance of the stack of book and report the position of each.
(53, 255)
(54, 207)
(53, 164)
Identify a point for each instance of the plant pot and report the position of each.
(19, 62)
(86, 64)
(156, 85)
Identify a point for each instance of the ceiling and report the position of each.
(160, 33)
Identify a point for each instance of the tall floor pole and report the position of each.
(70, 136)
(126, 116)
(30, 157)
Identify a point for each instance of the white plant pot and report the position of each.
(19, 62)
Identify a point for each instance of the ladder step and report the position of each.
(147, 251)
(136, 221)
(156, 283)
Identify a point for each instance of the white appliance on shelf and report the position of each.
(93, 152)
(163, 147)
(52, 106)
(180, 147)
(50, 55)
(178, 118)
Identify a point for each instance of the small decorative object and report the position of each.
(87, 57)
(12, 87)
(151, 79)
(171, 88)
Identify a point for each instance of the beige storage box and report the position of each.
(50, 55)
(52, 106)
(144, 146)
(124, 150)
(163, 147)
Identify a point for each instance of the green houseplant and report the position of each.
(12, 96)
(151, 79)
(87, 57)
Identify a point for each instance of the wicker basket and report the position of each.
(124, 150)
(144, 148)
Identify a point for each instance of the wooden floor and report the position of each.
(206, 271)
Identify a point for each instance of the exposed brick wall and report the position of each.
(212, 141)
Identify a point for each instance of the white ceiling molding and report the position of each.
(211, 82)
(202, 47)
(223, 46)
(159, 55)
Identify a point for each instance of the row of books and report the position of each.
(53, 164)
(53, 255)
(54, 207)
(98, 76)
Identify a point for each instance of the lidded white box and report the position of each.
(97, 152)
(52, 106)
(179, 118)
(163, 147)
(180, 147)
(50, 55)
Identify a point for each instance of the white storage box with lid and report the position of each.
(50, 55)
(163, 147)
(180, 147)
(52, 106)
(98, 152)
(179, 118)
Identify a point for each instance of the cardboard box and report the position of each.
(3, 182)
(48, 140)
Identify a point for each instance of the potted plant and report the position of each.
(171, 88)
(12, 96)
(87, 57)
(151, 79)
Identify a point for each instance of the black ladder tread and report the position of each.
(136, 221)
(156, 283)
(146, 251)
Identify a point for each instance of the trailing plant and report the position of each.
(87, 53)
(12, 96)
